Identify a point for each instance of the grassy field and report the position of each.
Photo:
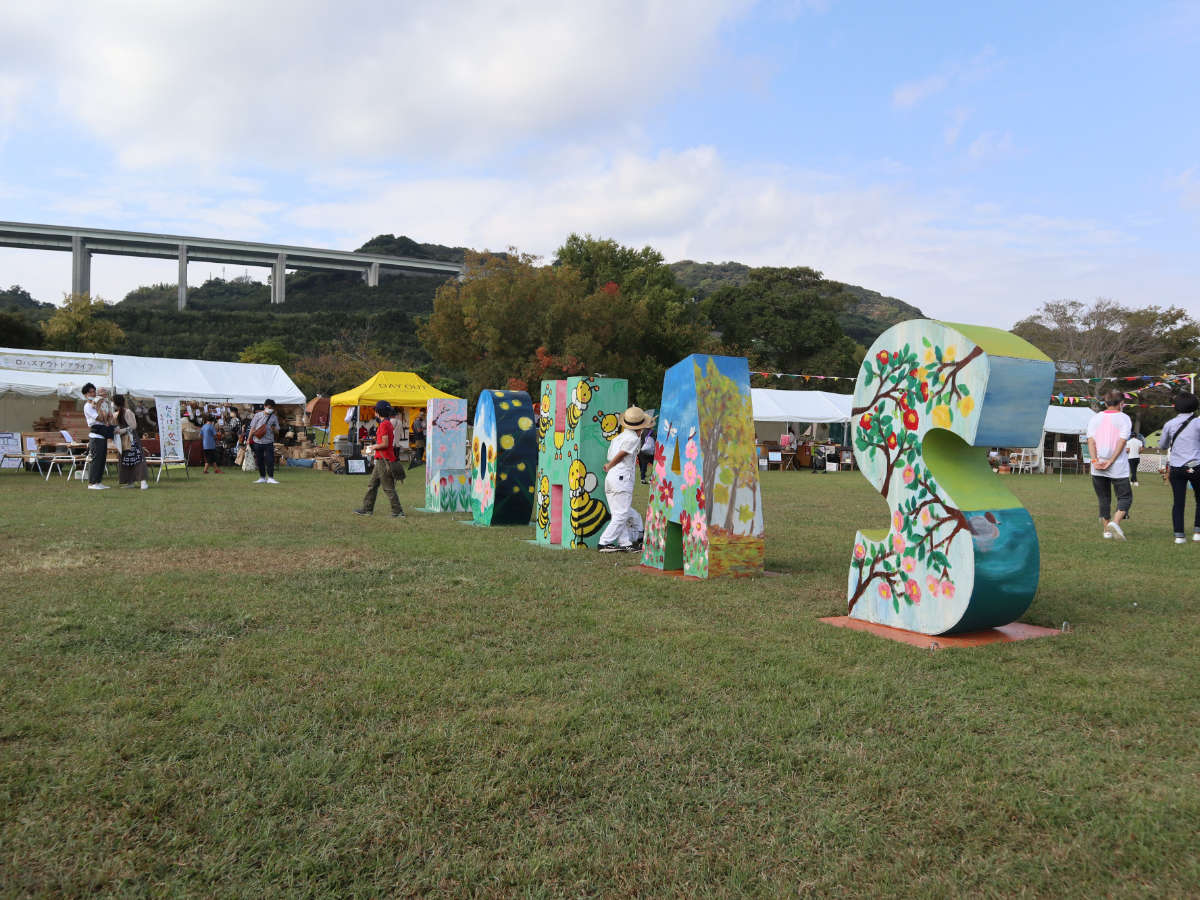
(220, 689)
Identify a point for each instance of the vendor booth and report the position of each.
(775, 410)
(39, 384)
(403, 390)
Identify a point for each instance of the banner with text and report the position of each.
(170, 429)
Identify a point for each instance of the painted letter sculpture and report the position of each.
(705, 514)
(446, 487)
(961, 553)
(503, 458)
(577, 420)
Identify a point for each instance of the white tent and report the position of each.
(799, 406)
(41, 373)
(1067, 419)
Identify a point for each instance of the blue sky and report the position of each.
(972, 159)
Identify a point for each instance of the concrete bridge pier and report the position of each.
(81, 267)
(279, 279)
(371, 275)
(183, 261)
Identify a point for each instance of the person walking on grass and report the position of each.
(386, 465)
(263, 428)
(1107, 433)
(1133, 450)
(208, 441)
(1181, 442)
(624, 532)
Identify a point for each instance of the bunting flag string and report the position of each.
(1165, 379)
(1066, 400)
(806, 377)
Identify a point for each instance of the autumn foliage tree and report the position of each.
(600, 308)
(78, 326)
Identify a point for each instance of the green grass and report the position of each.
(219, 689)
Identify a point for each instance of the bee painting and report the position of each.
(609, 424)
(579, 402)
(543, 505)
(588, 514)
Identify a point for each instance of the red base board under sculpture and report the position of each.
(1015, 631)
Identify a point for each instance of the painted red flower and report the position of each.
(666, 492)
(685, 521)
(891, 441)
(912, 373)
(925, 391)
(904, 401)
(660, 454)
(911, 419)
(883, 356)
(865, 422)
(700, 497)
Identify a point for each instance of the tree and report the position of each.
(271, 352)
(785, 320)
(78, 325)
(17, 331)
(602, 308)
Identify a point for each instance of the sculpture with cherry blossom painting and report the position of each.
(961, 552)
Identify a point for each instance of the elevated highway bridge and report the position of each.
(82, 243)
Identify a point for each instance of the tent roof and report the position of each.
(800, 406)
(1067, 419)
(397, 388)
(145, 376)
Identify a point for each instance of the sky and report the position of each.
(973, 159)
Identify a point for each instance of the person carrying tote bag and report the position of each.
(132, 468)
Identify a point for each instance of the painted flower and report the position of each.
(700, 529)
(897, 521)
(885, 590)
(690, 475)
(911, 419)
(898, 543)
(965, 405)
(909, 563)
(903, 401)
(883, 356)
(860, 551)
(947, 587)
(909, 474)
(891, 441)
(925, 391)
(865, 422)
(442, 481)
(660, 455)
(700, 497)
(913, 590)
(932, 584)
(941, 416)
(949, 354)
(685, 521)
(441, 461)
(691, 452)
(926, 517)
(666, 492)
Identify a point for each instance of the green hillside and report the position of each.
(867, 313)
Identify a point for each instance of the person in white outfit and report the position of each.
(624, 531)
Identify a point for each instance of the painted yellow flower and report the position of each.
(949, 354)
(929, 357)
(941, 416)
(965, 405)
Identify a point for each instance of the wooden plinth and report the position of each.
(1015, 631)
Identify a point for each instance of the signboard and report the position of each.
(1060, 446)
(67, 365)
(356, 466)
(170, 431)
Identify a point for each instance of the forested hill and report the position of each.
(866, 316)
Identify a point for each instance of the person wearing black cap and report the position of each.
(383, 474)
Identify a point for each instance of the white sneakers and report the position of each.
(145, 486)
(261, 481)
(1116, 531)
(97, 487)
(1180, 540)
(266, 481)
(272, 481)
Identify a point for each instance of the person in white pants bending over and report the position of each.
(624, 532)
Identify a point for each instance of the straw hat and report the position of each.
(635, 418)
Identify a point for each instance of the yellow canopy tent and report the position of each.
(403, 390)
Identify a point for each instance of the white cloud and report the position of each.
(958, 118)
(1187, 185)
(956, 74)
(295, 81)
(991, 145)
